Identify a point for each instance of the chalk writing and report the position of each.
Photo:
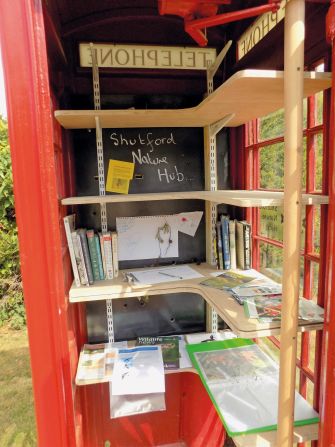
(147, 159)
(144, 140)
(170, 176)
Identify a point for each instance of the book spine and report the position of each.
(86, 253)
(102, 253)
(240, 245)
(115, 254)
(232, 243)
(93, 254)
(247, 245)
(107, 243)
(69, 227)
(219, 245)
(225, 241)
(79, 258)
(99, 257)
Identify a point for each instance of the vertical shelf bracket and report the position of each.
(101, 176)
(211, 179)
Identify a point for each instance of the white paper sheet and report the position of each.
(138, 370)
(153, 237)
(165, 274)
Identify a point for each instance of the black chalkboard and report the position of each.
(166, 160)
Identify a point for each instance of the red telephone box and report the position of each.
(40, 49)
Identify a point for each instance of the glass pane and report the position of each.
(310, 392)
(303, 227)
(319, 100)
(302, 274)
(312, 341)
(270, 348)
(315, 280)
(271, 262)
(272, 219)
(304, 163)
(304, 111)
(272, 126)
(319, 108)
(317, 228)
(272, 166)
(318, 147)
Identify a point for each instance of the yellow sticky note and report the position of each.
(118, 176)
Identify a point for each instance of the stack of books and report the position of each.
(233, 243)
(94, 256)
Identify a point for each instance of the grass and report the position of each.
(17, 420)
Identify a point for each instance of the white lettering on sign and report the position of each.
(259, 29)
(146, 150)
(147, 56)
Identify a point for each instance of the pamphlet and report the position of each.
(227, 280)
(138, 371)
(268, 308)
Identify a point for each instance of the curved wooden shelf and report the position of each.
(223, 303)
(229, 197)
(248, 94)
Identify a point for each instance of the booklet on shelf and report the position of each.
(227, 280)
(268, 308)
(170, 349)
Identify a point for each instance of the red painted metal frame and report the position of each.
(206, 11)
(252, 157)
(35, 187)
(327, 408)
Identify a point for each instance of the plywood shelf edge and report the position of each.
(223, 303)
(229, 197)
(248, 94)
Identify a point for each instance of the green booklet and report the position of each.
(170, 349)
(242, 382)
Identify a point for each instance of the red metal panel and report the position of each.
(200, 424)
(35, 188)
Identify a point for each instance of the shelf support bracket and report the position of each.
(211, 179)
(215, 128)
(101, 176)
(212, 69)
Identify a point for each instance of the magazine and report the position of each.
(227, 280)
(170, 349)
(268, 309)
(258, 287)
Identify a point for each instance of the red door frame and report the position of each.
(24, 55)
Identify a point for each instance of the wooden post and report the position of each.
(293, 103)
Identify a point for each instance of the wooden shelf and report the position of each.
(268, 439)
(229, 197)
(248, 94)
(107, 379)
(222, 302)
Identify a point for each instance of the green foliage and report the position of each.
(11, 301)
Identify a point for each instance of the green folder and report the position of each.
(242, 382)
